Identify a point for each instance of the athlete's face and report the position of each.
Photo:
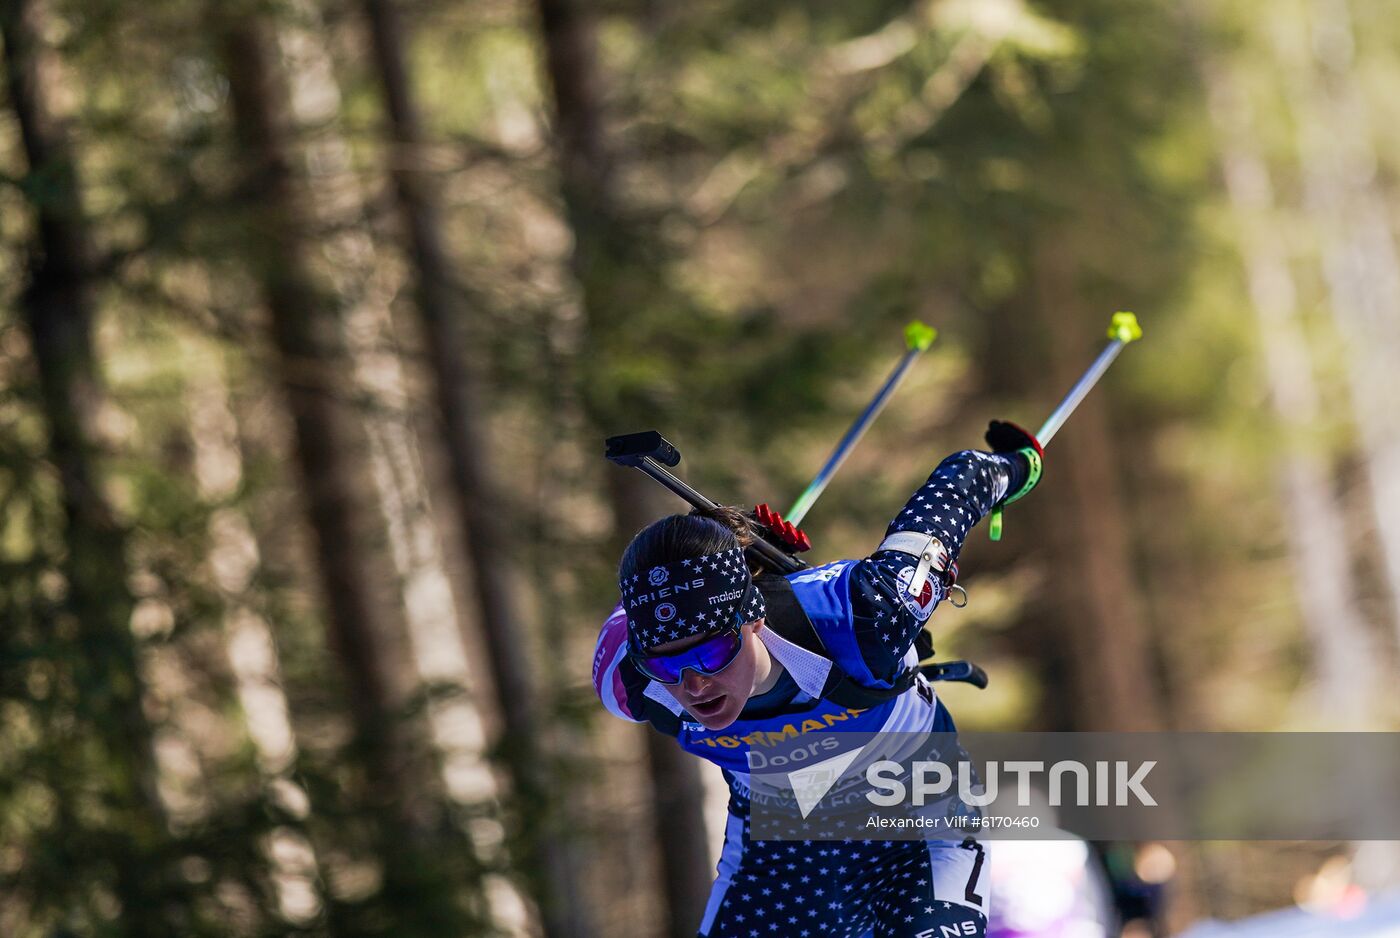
(715, 700)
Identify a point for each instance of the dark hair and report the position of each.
(678, 537)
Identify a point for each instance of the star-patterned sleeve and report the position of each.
(963, 489)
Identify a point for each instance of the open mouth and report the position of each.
(710, 707)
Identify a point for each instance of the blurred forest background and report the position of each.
(314, 315)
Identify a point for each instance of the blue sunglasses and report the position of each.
(709, 657)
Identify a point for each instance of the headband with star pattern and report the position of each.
(695, 596)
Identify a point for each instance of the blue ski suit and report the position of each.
(867, 621)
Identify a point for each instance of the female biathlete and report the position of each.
(710, 654)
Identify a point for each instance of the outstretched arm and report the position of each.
(962, 489)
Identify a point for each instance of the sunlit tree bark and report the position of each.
(357, 273)
(1322, 558)
(1315, 48)
(1344, 196)
(481, 518)
(234, 559)
(305, 334)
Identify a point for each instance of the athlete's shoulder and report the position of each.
(855, 588)
(864, 614)
(609, 675)
(833, 602)
(824, 592)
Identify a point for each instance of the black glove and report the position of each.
(1004, 437)
(1008, 439)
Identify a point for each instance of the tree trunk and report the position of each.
(304, 330)
(612, 283)
(1361, 267)
(458, 397)
(357, 276)
(483, 526)
(1317, 539)
(301, 321)
(1360, 262)
(58, 310)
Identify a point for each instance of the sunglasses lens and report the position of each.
(709, 657)
(660, 668)
(717, 653)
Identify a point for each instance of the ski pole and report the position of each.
(917, 339)
(1122, 329)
